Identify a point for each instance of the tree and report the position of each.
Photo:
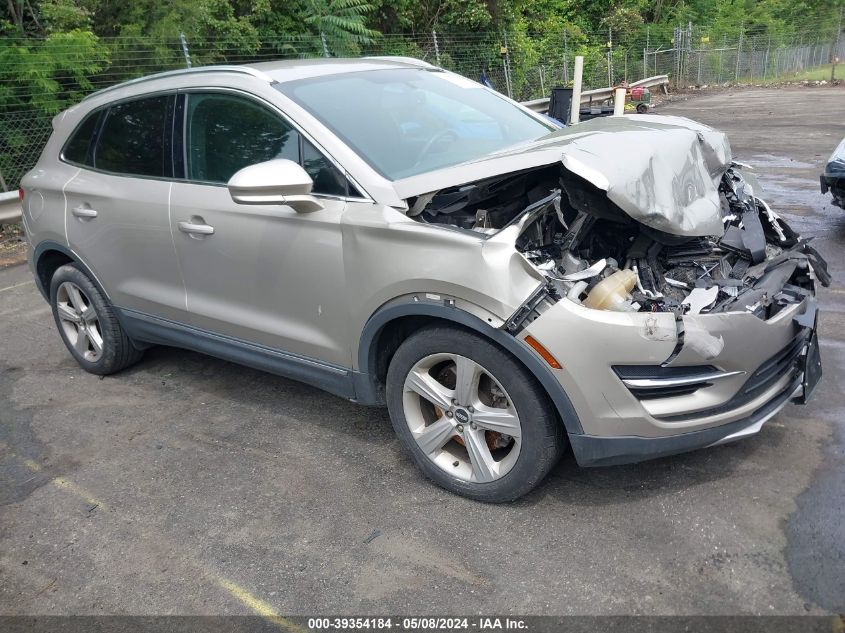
(341, 24)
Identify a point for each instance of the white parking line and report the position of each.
(12, 287)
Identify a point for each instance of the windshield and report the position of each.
(409, 121)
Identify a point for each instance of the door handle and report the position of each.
(84, 212)
(196, 229)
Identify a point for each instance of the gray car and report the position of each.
(400, 236)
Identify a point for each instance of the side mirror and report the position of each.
(277, 181)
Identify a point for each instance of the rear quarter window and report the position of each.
(78, 147)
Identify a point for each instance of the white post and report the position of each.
(619, 102)
(578, 75)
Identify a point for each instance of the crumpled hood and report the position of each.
(662, 171)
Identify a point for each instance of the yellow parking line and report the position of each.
(63, 483)
(259, 606)
(66, 484)
(253, 603)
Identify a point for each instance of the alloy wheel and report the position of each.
(79, 321)
(462, 418)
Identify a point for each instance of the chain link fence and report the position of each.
(519, 65)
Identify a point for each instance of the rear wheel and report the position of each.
(473, 418)
(88, 325)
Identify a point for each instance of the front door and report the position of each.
(258, 273)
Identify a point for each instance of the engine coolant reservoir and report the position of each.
(613, 292)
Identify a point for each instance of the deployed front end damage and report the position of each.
(679, 304)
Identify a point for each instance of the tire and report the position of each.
(455, 458)
(88, 325)
(642, 108)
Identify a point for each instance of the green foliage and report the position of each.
(48, 73)
(341, 24)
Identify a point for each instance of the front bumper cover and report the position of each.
(775, 361)
(613, 451)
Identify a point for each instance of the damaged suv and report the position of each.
(398, 235)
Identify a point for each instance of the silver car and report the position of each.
(398, 235)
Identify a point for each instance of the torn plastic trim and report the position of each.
(529, 311)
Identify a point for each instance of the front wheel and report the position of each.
(473, 418)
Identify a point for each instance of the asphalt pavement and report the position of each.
(188, 485)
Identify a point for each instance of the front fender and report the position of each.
(368, 391)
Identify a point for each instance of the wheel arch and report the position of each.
(48, 257)
(391, 324)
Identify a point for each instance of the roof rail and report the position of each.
(246, 70)
(412, 61)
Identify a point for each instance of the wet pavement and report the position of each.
(189, 485)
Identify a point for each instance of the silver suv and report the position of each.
(399, 235)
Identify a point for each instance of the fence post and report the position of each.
(325, 45)
(3, 185)
(834, 55)
(436, 47)
(689, 49)
(575, 105)
(609, 56)
(565, 58)
(645, 51)
(676, 36)
(751, 57)
(185, 50)
(506, 64)
(739, 51)
(766, 58)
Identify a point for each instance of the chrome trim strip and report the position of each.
(660, 383)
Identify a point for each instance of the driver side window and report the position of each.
(225, 133)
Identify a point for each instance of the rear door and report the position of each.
(117, 206)
(258, 273)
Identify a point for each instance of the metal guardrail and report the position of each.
(10, 207)
(601, 94)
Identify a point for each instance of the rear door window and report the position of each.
(132, 140)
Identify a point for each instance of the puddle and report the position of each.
(761, 161)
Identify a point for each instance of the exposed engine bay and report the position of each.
(593, 253)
